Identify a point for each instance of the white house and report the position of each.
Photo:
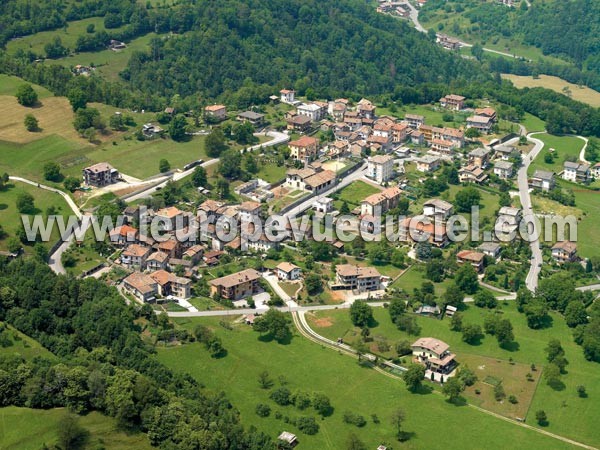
(314, 112)
(323, 205)
(287, 95)
(287, 271)
(503, 169)
(576, 172)
(380, 168)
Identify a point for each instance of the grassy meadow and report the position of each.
(306, 366)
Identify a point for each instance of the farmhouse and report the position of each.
(320, 181)
(434, 354)
(357, 278)
(100, 174)
(595, 171)
(287, 271)
(237, 285)
(150, 130)
(564, 251)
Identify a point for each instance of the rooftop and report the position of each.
(432, 344)
(349, 270)
(236, 278)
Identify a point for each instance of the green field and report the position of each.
(10, 84)
(575, 420)
(307, 366)
(588, 239)
(354, 193)
(22, 344)
(533, 123)
(414, 277)
(31, 429)
(10, 218)
(564, 146)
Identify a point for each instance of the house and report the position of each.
(141, 286)
(453, 102)
(564, 251)
(492, 249)
(357, 278)
(337, 109)
(287, 271)
(400, 132)
(414, 121)
(295, 178)
(216, 112)
(194, 254)
(421, 229)
(442, 146)
(377, 143)
(83, 70)
(323, 205)
(427, 163)
(289, 438)
(486, 112)
(476, 259)
(287, 96)
(135, 256)
(170, 284)
(212, 257)
(595, 171)
(170, 219)
(380, 168)
(482, 123)
(542, 179)
(171, 247)
(100, 174)
(312, 111)
(123, 235)
(448, 42)
(298, 123)
(150, 130)
(434, 354)
(379, 203)
(508, 219)
(304, 149)
(503, 169)
(504, 152)
(472, 174)
(237, 285)
(480, 157)
(116, 45)
(157, 261)
(251, 117)
(320, 181)
(249, 211)
(417, 137)
(437, 209)
(428, 310)
(576, 172)
(366, 108)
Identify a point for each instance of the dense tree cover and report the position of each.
(242, 51)
(102, 363)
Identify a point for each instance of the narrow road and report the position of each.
(582, 152)
(297, 210)
(66, 196)
(278, 138)
(522, 180)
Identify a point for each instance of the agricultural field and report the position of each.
(576, 92)
(569, 415)
(17, 424)
(303, 365)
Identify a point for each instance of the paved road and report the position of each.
(357, 174)
(55, 259)
(278, 138)
(582, 152)
(66, 196)
(528, 215)
(414, 17)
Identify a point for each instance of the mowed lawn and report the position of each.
(10, 218)
(354, 193)
(588, 238)
(307, 366)
(31, 429)
(9, 85)
(564, 146)
(580, 93)
(575, 418)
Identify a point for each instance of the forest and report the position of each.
(102, 364)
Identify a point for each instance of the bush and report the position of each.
(354, 419)
(31, 123)
(307, 425)
(281, 396)
(263, 410)
(513, 399)
(26, 95)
